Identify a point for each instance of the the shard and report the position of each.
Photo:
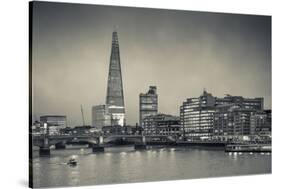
(114, 95)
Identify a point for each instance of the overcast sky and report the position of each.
(181, 52)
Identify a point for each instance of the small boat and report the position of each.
(72, 162)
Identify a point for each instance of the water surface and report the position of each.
(139, 166)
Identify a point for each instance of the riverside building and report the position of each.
(161, 124)
(207, 117)
(232, 122)
(261, 123)
(196, 116)
(148, 104)
(54, 123)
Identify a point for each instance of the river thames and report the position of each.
(155, 164)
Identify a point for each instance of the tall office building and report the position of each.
(148, 104)
(114, 95)
(114, 105)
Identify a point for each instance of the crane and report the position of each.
(82, 115)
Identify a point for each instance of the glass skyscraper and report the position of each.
(113, 112)
(114, 95)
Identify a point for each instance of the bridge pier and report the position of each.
(141, 145)
(44, 151)
(100, 141)
(60, 146)
(97, 148)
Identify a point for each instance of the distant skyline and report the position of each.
(180, 52)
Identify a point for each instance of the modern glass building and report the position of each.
(114, 95)
(113, 112)
(101, 116)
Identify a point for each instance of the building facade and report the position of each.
(196, 115)
(101, 116)
(245, 103)
(113, 112)
(54, 120)
(148, 104)
(232, 122)
(208, 117)
(117, 130)
(161, 124)
(261, 122)
(114, 94)
(54, 123)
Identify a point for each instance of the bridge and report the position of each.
(96, 142)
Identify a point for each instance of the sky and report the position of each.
(180, 52)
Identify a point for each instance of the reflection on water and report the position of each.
(138, 166)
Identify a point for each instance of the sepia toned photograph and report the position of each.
(125, 95)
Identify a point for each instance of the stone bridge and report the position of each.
(97, 143)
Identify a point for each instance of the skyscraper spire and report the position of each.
(114, 96)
